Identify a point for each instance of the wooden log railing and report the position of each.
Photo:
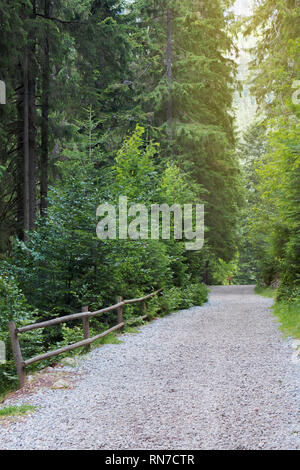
(85, 315)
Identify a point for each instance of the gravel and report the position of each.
(220, 376)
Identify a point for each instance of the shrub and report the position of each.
(199, 294)
(170, 300)
(177, 298)
(13, 307)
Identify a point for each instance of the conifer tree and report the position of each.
(188, 90)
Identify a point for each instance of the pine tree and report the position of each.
(187, 97)
(104, 55)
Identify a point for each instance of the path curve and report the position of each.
(218, 376)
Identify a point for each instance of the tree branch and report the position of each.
(59, 20)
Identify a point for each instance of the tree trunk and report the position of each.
(169, 72)
(32, 149)
(206, 273)
(45, 116)
(20, 158)
(32, 124)
(26, 199)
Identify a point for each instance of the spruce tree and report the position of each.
(186, 97)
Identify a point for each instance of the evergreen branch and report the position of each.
(59, 20)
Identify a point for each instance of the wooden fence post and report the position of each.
(86, 328)
(144, 307)
(120, 310)
(17, 353)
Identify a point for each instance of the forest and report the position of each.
(110, 98)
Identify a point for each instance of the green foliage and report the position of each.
(276, 24)
(199, 293)
(63, 265)
(59, 265)
(15, 410)
(289, 316)
(171, 300)
(134, 168)
(14, 307)
(274, 216)
(89, 48)
(275, 220)
(266, 291)
(154, 307)
(74, 334)
(182, 298)
(222, 271)
(188, 108)
(251, 150)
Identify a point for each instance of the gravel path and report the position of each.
(216, 377)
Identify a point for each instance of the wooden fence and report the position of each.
(85, 315)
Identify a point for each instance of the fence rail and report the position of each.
(85, 315)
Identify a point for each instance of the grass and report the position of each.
(131, 330)
(289, 317)
(266, 292)
(287, 313)
(111, 338)
(16, 410)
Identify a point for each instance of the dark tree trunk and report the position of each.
(206, 273)
(32, 124)
(45, 115)
(26, 192)
(32, 151)
(26, 153)
(20, 160)
(169, 71)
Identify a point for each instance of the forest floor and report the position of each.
(220, 376)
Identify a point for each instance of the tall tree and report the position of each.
(45, 112)
(276, 220)
(190, 83)
(26, 88)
